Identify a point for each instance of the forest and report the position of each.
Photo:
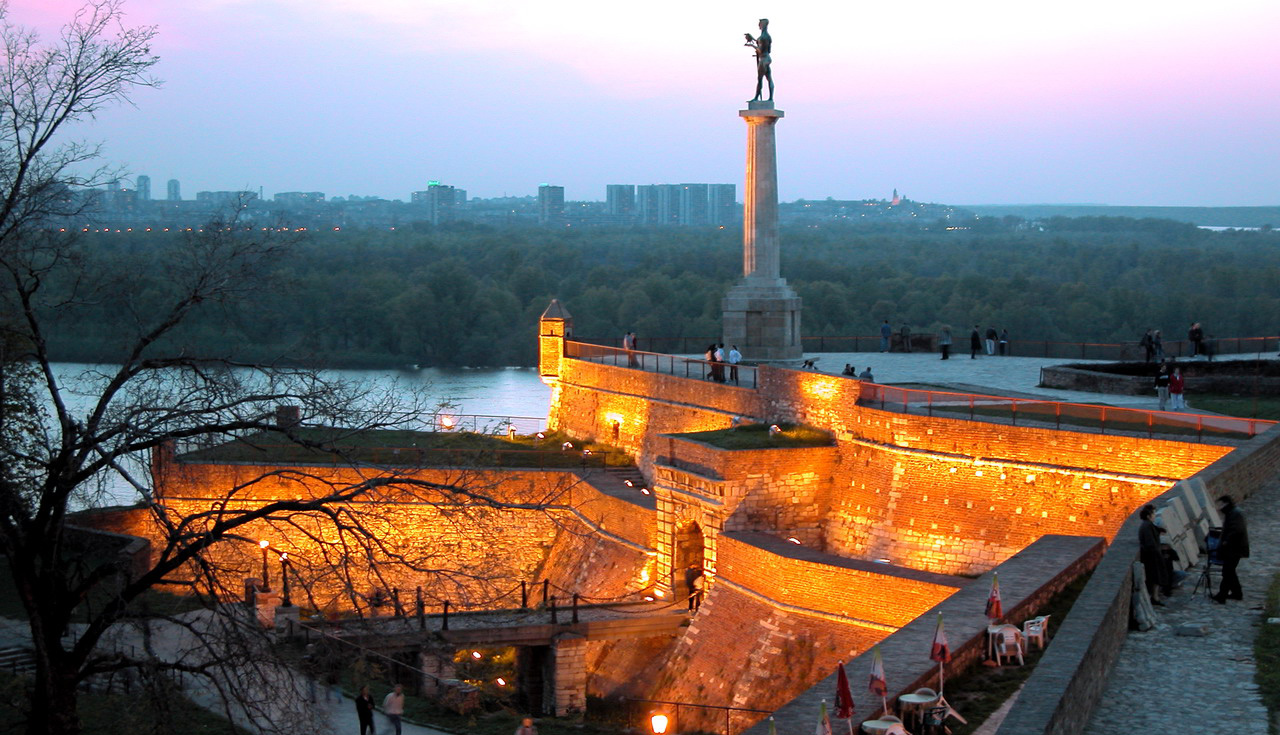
(470, 295)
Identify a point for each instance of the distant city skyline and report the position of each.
(1142, 103)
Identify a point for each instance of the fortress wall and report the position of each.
(444, 541)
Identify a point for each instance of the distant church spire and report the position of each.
(896, 199)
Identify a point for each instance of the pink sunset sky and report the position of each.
(992, 101)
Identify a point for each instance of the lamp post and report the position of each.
(284, 577)
(266, 580)
(659, 724)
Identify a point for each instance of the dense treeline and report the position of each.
(470, 295)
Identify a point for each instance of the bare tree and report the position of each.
(57, 452)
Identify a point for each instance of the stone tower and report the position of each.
(762, 313)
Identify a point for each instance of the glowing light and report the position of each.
(659, 723)
(644, 575)
(264, 543)
(644, 490)
(647, 598)
(501, 682)
(659, 593)
(628, 483)
(475, 655)
(566, 446)
(1031, 478)
(774, 430)
(284, 556)
(794, 540)
(541, 436)
(447, 422)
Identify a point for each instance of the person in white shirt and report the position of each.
(393, 706)
(735, 357)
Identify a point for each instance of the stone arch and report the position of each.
(689, 549)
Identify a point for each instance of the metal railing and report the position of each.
(477, 423)
(671, 710)
(925, 342)
(744, 376)
(552, 457)
(1057, 413)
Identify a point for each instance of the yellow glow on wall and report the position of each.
(819, 386)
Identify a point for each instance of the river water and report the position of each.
(502, 392)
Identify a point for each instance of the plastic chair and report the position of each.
(1036, 629)
(1009, 644)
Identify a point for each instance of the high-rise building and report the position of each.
(299, 198)
(144, 188)
(550, 203)
(439, 200)
(620, 199)
(722, 205)
(693, 204)
(175, 191)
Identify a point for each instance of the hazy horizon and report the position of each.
(1133, 104)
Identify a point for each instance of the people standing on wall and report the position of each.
(1149, 554)
(1176, 385)
(905, 334)
(1157, 342)
(1232, 547)
(721, 359)
(1148, 345)
(693, 582)
(886, 333)
(944, 342)
(991, 340)
(629, 344)
(735, 357)
(393, 706)
(364, 710)
(1195, 335)
(1004, 342)
(975, 342)
(1162, 385)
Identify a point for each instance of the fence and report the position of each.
(1057, 413)
(1115, 351)
(671, 711)
(685, 367)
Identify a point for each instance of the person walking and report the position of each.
(1162, 386)
(944, 342)
(364, 711)
(393, 706)
(1232, 547)
(886, 333)
(1176, 386)
(975, 342)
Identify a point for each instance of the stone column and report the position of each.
(760, 196)
(762, 313)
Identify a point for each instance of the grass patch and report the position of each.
(980, 691)
(412, 448)
(1266, 652)
(757, 436)
(1261, 407)
(116, 714)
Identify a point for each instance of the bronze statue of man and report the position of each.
(762, 45)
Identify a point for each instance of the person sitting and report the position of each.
(811, 364)
(866, 375)
(848, 370)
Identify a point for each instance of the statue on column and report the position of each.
(762, 45)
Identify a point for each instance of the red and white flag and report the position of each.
(844, 697)
(941, 651)
(994, 608)
(877, 684)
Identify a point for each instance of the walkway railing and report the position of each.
(1056, 413)
(925, 342)
(745, 376)
(485, 424)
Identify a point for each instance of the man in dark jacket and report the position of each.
(1150, 556)
(1233, 547)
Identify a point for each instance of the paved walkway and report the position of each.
(1203, 684)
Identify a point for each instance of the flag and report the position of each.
(844, 697)
(994, 608)
(941, 652)
(877, 685)
(824, 725)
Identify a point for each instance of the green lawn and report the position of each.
(1266, 652)
(412, 448)
(757, 436)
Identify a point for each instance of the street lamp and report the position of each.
(659, 723)
(284, 577)
(266, 580)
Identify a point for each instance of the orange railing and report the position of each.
(744, 376)
(1057, 413)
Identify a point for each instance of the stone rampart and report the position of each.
(1062, 693)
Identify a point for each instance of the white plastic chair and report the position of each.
(1009, 644)
(1036, 629)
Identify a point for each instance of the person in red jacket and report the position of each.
(1176, 386)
